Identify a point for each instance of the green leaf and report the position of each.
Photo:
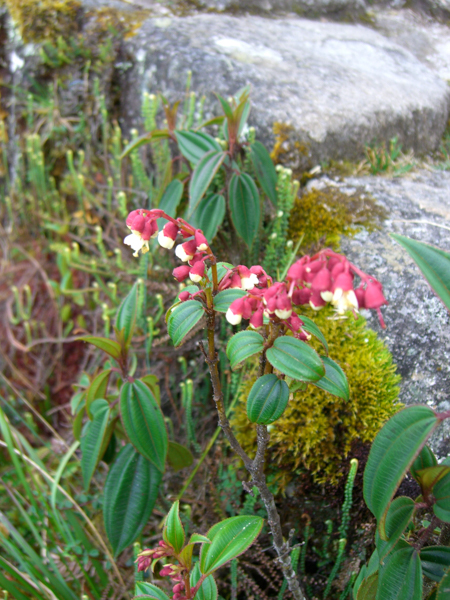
(144, 422)
(182, 319)
(202, 176)
(401, 576)
(222, 270)
(148, 590)
(225, 107)
(243, 345)
(193, 145)
(157, 134)
(171, 199)
(151, 381)
(311, 327)
(130, 493)
(244, 207)
(173, 532)
(198, 538)
(435, 561)
(78, 423)
(365, 572)
(178, 456)
(127, 313)
(209, 215)
(398, 517)
(441, 493)
(93, 440)
(229, 539)
(428, 478)
(443, 590)
(334, 382)
(97, 389)
(434, 264)
(296, 359)
(425, 458)
(368, 588)
(267, 399)
(109, 346)
(208, 589)
(264, 170)
(214, 121)
(393, 451)
(223, 299)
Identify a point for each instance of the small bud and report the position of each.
(181, 273)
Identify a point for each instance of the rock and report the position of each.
(339, 86)
(418, 324)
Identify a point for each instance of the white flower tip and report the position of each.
(202, 248)
(283, 314)
(327, 296)
(179, 251)
(313, 306)
(195, 278)
(165, 241)
(248, 283)
(232, 318)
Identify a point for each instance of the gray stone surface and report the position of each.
(310, 8)
(418, 325)
(339, 86)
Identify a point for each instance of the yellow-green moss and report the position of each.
(323, 216)
(317, 430)
(291, 152)
(44, 20)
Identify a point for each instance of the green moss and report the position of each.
(291, 152)
(45, 20)
(323, 216)
(317, 430)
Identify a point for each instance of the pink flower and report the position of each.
(186, 251)
(143, 226)
(197, 272)
(168, 235)
(181, 273)
(201, 241)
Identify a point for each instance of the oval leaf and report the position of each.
(109, 346)
(441, 493)
(202, 176)
(334, 382)
(435, 561)
(173, 528)
(429, 477)
(425, 459)
(182, 319)
(296, 359)
(311, 327)
(368, 588)
(398, 517)
(193, 145)
(143, 422)
(97, 389)
(244, 207)
(93, 441)
(393, 451)
(443, 590)
(127, 313)
(243, 345)
(148, 590)
(267, 399)
(208, 589)
(209, 215)
(130, 493)
(401, 576)
(434, 264)
(223, 299)
(229, 539)
(264, 170)
(178, 456)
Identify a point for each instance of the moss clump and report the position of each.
(323, 216)
(291, 152)
(317, 430)
(45, 20)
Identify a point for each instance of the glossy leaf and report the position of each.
(441, 493)
(398, 517)
(425, 458)
(97, 389)
(296, 359)
(173, 532)
(178, 456)
(198, 538)
(311, 327)
(264, 170)
(267, 399)
(434, 264)
(244, 206)
(129, 497)
(368, 588)
(93, 441)
(209, 215)
(334, 382)
(144, 423)
(193, 145)
(182, 319)
(208, 589)
(393, 451)
(148, 590)
(127, 313)
(202, 177)
(229, 539)
(223, 299)
(109, 346)
(401, 576)
(435, 561)
(243, 345)
(429, 477)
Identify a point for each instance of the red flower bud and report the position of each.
(181, 273)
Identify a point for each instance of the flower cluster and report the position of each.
(326, 277)
(175, 572)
